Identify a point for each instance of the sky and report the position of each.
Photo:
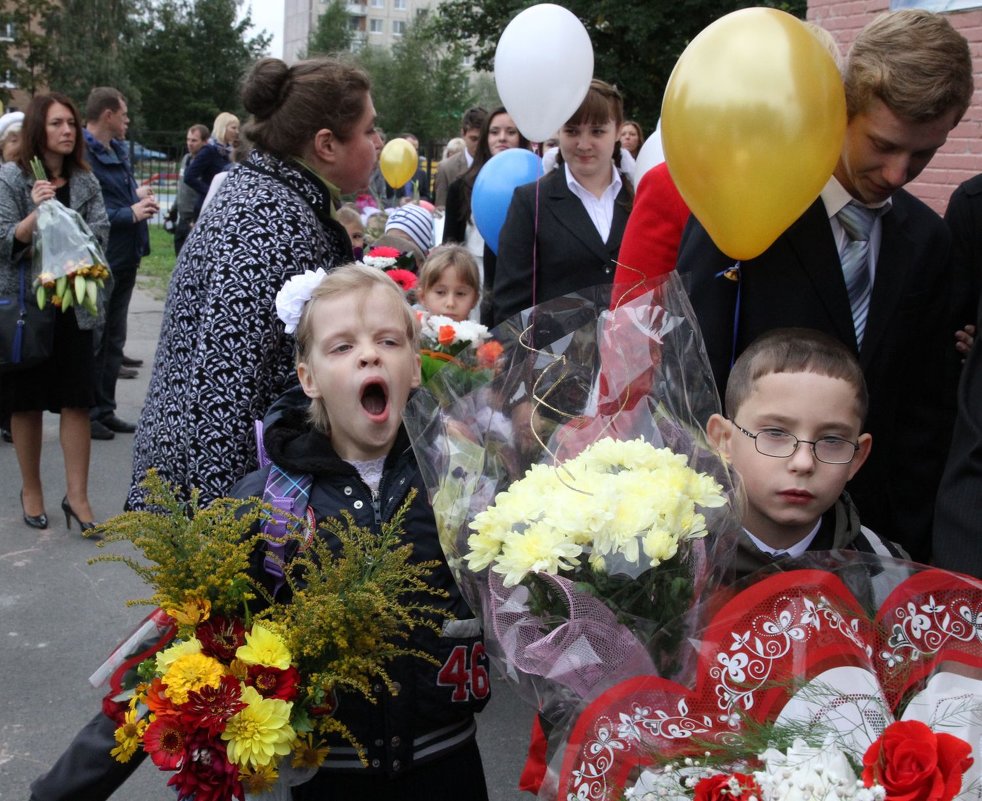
(268, 15)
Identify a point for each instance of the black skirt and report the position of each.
(66, 380)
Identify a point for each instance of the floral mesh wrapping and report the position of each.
(572, 374)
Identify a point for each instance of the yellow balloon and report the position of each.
(398, 162)
(752, 126)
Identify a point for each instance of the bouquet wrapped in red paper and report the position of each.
(576, 498)
(831, 677)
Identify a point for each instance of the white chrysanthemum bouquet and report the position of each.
(577, 501)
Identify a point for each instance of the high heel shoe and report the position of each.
(66, 507)
(34, 521)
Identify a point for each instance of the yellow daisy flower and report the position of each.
(128, 736)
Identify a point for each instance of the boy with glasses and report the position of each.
(795, 404)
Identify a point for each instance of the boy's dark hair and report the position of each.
(102, 98)
(794, 350)
(473, 118)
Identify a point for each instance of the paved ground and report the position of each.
(60, 616)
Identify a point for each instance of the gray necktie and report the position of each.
(857, 220)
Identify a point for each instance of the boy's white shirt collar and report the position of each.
(795, 550)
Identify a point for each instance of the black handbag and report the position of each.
(26, 332)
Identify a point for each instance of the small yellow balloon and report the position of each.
(752, 122)
(398, 162)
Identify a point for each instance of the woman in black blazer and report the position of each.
(563, 232)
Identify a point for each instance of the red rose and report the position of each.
(914, 764)
(489, 353)
(726, 787)
(446, 335)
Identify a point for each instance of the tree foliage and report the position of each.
(90, 41)
(421, 85)
(190, 62)
(635, 42)
(177, 61)
(27, 58)
(333, 33)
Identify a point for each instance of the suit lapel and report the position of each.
(892, 265)
(812, 240)
(571, 215)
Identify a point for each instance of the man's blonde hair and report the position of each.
(348, 279)
(912, 60)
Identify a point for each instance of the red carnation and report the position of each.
(164, 740)
(210, 707)
(912, 763)
(383, 252)
(221, 637)
(271, 682)
(404, 278)
(727, 787)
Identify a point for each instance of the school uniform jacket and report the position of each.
(548, 226)
(905, 355)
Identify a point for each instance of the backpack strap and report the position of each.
(287, 494)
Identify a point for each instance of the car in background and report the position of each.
(141, 153)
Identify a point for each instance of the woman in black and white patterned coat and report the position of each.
(223, 355)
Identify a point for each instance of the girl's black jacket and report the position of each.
(432, 714)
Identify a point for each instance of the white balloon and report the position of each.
(651, 155)
(542, 67)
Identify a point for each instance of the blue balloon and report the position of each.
(494, 187)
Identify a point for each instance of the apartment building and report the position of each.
(373, 22)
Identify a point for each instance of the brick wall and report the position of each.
(961, 157)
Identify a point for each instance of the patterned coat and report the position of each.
(223, 356)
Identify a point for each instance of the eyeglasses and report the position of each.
(781, 445)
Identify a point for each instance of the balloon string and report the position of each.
(535, 245)
(734, 274)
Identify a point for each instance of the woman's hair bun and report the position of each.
(265, 87)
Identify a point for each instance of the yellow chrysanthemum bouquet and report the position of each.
(228, 699)
(577, 500)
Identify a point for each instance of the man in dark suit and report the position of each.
(957, 540)
(449, 170)
(908, 82)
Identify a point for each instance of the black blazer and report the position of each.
(907, 351)
(958, 514)
(569, 253)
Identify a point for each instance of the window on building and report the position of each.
(378, 3)
(7, 31)
(398, 27)
(375, 26)
(399, 5)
